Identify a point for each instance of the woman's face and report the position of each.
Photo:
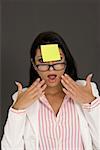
(52, 77)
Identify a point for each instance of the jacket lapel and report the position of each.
(32, 114)
(84, 128)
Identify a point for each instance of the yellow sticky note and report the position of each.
(50, 52)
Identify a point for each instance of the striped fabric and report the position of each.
(61, 132)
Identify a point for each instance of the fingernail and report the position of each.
(38, 79)
(16, 82)
(61, 80)
(63, 89)
(91, 75)
(65, 74)
(43, 92)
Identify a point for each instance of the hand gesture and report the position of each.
(79, 93)
(26, 98)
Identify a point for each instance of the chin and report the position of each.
(54, 84)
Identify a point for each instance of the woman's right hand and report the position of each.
(26, 98)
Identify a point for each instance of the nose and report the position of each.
(51, 68)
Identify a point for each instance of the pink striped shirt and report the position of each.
(61, 132)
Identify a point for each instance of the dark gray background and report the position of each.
(78, 22)
(0, 67)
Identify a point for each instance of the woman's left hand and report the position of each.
(81, 94)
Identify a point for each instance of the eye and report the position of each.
(40, 60)
(61, 57)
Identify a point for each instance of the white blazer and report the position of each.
(21, 129)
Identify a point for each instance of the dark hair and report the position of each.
(52, 38)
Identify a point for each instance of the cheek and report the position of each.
(60, 73)
(42, 75)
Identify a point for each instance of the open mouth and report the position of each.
(52, 77)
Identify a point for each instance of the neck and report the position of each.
(54, 90)
(54, 94)
(55, 97)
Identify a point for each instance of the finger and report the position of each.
(69, 78)
(37, 86)
(34, 84)
(40, 88)
(43, 93)
(67, 86)
(67, 93)
(19, 85)
(37, 97)
(44, 87)
(37, 94)
(88, 80)
(41, 83)
(69, 81)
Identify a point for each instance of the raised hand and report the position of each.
(81, 94)
(26, 98)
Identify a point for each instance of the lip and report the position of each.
(52, 75)
(51, 80)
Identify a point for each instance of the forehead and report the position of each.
(38, 52)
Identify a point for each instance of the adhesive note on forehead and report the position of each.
(50, 52)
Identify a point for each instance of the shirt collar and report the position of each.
(44, 100)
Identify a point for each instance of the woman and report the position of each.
(57, 111)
